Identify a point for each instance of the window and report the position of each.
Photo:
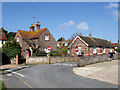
(58, 44)
(66, 44)
(46, 37)
(79, 50)
(110, 49)
(46, 49)
(103, 49)
(94, 50)
(18, 38)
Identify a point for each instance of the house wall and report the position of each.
(83, 47)
(52, 42)
(87, 50)
(40, 41)
(2, 41)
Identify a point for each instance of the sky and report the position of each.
(64, 18)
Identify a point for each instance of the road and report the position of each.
(50, 76)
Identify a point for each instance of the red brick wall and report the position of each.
(83, 47)
(87, 50)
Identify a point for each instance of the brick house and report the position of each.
(115, 45)
(40, 36)
(3, 38)
(63, 43)
(89, 46)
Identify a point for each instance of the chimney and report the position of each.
(32, 27)
(90, 35)
(37, 26)
(118, 42)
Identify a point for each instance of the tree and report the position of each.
(74, 35)
(11, 49)
(11, 36)
(61, 39)
(33, 45)
(63, 51)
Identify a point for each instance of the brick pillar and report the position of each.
(16, 59)
(27, 56)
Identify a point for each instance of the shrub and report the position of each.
(54, 53)
(63, 51)
(40, 53)
(11, 49)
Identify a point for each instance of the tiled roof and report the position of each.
(96, 42)
(2, 36)
(115, 44)
(31, 34)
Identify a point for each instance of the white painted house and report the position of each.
(3, 39)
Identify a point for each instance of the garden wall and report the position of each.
(45, 60)
(92, 59)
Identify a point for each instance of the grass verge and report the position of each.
(2, 86)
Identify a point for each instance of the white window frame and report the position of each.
(18, 38)
(46, 37)
(104, 50)
(110, 49)
(58, 44)
(66, 43)
(94, 50)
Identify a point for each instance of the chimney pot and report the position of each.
(32, 27)
(90, 35)
(38, 22)
(37, 26)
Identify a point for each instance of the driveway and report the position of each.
(58, 75)
(105, 71)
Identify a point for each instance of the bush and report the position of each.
(40, 53)
(11, 49)
(63, 51)
(54, 53)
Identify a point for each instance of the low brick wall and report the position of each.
(82, 61)
(45, 60)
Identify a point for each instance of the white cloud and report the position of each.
(82, 26)
(115, 15)
(112, 5)
(69, 23)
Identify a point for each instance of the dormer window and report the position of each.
(46, 37)
(18, 38)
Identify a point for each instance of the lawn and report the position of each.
(2, 86)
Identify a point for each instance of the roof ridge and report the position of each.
(92, 37)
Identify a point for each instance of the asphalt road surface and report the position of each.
(50, 76)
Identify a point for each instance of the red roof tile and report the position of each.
(2, 36)
(31, 34)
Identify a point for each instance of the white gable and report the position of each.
(75, 40)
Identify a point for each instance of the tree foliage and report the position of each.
(61, 39)
(11, 49)
(33, 45)
(11, 36)
(63, 51)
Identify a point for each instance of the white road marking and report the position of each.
(9, 75)
(24, 82)
(16, 73)
(65, 64)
